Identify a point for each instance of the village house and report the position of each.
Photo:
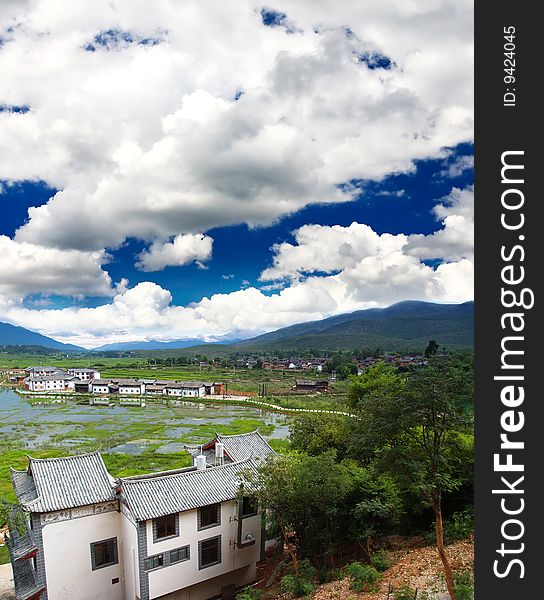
(187, 534)
(51, 383)
(84, 374)
(186, 389)
(89, 381)
(311, 386)
(99, 386)
(155, 386)
(127, 386)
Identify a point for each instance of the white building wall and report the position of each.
(100, 389)
(67, 556)
(131, 578)
(185, 574)
(130, 389)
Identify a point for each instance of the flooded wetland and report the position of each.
(132, 440)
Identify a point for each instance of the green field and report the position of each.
(277, 383)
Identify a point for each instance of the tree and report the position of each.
(417, 425)
(304, 500)
(431, 349)
(374, 505)
(314, 434)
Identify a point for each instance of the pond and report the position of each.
(38, 422)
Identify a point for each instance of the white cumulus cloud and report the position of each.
(182, 250)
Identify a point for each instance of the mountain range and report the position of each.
(406, 325)
(156, 345)
(11, 335)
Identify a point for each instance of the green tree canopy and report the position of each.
(419, 426)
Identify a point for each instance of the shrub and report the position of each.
(362, 576)
(464, 585)
(298, 586)
(459, 526)
(405, 593)
(249, 593)
(380, 560)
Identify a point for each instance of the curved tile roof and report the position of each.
(166, 494)
(51, 484)
(237, 447)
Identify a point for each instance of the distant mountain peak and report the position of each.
(13, 335)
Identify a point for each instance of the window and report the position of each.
(179, 554)
(209, 552)
(104, 553)
(165, 527)
(209, 516)
(154, 562)
(249, 507)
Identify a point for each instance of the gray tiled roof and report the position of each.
(52, 484)
(184, 384)
(237, 447)
(166, 494)
(127, 382)
(58, 377)
(246, 445)
(24, 578)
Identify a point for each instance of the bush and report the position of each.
(459, 526)
(298, 586)
(464, 585)
(380, 560)
(405, 593)
(249, 593)
(362, 576)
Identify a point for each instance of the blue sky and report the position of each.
(225, 172)
(235, 263)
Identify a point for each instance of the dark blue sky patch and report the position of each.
(273, 18)
(17, 108)
(16, 198)
(432, 262)
(113, 39)
(398, 204)
(375, 60)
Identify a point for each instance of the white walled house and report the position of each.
(187, 534)
(99, 386)
(84, 374)
(50, 383)
(127, 386)
(186, 389)
(73, 514)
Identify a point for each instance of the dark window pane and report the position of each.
(165, 526)
(104, 553)
(210, 552)
(249, 506)
(179, 554)
(153, 562)
(209, 516)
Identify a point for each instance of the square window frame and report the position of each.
(94, 565)
(167, 537)
(199, 525)
(220, 557)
